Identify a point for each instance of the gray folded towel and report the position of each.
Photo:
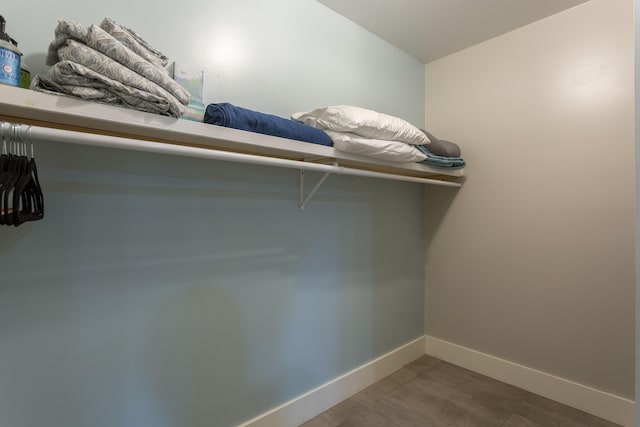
(441, 147)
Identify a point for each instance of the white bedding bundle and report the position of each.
(366, 132)
(394, 151)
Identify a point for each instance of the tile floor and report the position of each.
(430, 392)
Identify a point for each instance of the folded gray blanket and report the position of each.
(74, 79)
(89, 63)
(133, 41)
(103, 42)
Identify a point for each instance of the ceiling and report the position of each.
(432, 29)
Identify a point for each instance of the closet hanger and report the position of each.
(6, 173)
(3, 155)
(28, 200)
(15, 171)
(21, 197)
(10, 178)
(17, 197)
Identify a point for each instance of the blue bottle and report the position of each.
(9, 58)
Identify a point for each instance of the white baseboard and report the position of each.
(305, 407)
(604, 405)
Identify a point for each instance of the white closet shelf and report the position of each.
(61, 112)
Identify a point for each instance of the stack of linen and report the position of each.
(441, 153)
(110, 64)
(369, 133)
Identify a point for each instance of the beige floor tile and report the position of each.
(368, 418)
(423, 365)
(519, 421)
(369, 395)
(470, 414)
(539, 411)
(570, 417)
(337, 414)
(407, 409)
(432, 393)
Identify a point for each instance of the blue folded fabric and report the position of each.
(440, 161)
(228, 115)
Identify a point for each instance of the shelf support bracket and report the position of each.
(303, 200)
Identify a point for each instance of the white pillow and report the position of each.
(394, 151)
(348, 118)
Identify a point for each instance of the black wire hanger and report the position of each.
(21, 196)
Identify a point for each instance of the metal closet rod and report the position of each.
(99, 140)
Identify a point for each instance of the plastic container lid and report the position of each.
(3, 35)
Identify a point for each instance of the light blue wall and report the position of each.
(160, 291)
(278, 56)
